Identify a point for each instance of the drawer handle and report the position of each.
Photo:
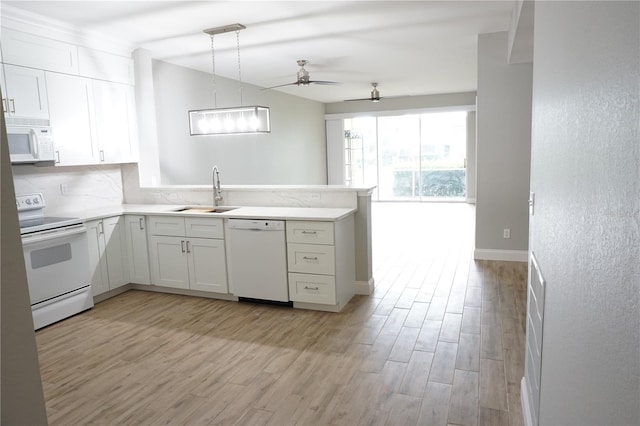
(310, 232)
(309, 258)
(311, 288)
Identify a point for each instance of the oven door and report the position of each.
(57, 262)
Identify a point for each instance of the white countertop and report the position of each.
(246, 212)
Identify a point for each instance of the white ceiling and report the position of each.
(408, 47)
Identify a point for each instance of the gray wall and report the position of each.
(22, 401)
(503, 148)
(585, 174)
(293, 153)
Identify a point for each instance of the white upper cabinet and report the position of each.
(93, 121)
(33, 51)
(71, 111)
(115, 121)
(25, 93)
(105, 66)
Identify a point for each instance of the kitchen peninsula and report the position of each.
(106, 193)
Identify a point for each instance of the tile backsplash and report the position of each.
(66, 189)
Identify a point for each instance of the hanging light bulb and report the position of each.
(219, 121)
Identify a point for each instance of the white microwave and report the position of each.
(31, 145)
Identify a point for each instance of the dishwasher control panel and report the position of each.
(257, 224)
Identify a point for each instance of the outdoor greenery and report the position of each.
(432, 183)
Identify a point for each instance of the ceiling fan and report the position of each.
(375, 95)
(303, 77)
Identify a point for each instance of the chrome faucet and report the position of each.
(217, 191)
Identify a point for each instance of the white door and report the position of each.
(97, 259)
(207, 265)
(114, 120)
(71, 106)
(116, 251)
(26, 92)
(169, 266)
(138, 255)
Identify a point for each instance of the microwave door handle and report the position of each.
(34, 143)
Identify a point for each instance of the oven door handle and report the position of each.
(53, 234)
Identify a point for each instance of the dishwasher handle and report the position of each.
(256, 225)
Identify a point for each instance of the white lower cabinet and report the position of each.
(321, 264)
(107, 254)
(179, 258)
(136, 239)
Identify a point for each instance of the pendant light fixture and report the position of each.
(228, 121)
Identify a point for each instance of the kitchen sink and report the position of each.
(205, 209)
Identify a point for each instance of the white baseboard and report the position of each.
(364, 287)
(505, 255)
(524, 401)
(470, 200)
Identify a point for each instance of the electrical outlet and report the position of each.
(506, 233)
(64, 188)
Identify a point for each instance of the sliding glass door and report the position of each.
(443, 147)
(412, 157)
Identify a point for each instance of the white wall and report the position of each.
(503, 151)
(585, 231)
(22, 399)
(293, 153)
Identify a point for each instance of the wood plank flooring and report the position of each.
(440, 342)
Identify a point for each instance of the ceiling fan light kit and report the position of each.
(228, 121)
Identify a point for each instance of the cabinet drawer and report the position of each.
(310, 232)
(312, 288)
(311, 258)
(203, 227)
(167, 225)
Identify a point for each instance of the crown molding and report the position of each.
(14, 18)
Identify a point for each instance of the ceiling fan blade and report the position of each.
(362, 99)
(326, 83)
(295, 83)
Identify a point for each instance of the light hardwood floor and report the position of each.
(441, 341)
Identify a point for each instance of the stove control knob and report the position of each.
(36, 201)
(28, 201)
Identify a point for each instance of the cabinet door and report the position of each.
(43, 53)
(105, 66)
(115, 119)
(207, 265)
(97, 259)
(71, 119)
(26, 92)
(116, 251)
(169, 261)
(136, 234)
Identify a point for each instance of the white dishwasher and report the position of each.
(258, 259)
